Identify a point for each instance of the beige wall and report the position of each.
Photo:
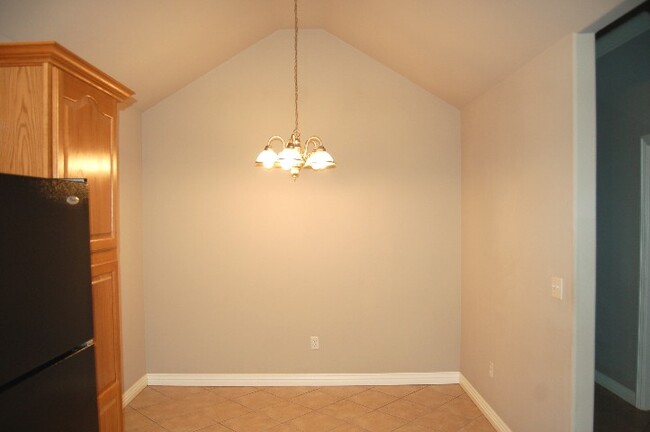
(517, 232)
(241, 265)
(132, 292)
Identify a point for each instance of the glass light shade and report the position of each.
(320, 159)
(289, 157)
(267, 158)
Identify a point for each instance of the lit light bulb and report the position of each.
(286, 164)
(320, 159)
(289, 157)
(267, 158)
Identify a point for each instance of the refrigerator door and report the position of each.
(61, 398)
(45, 284)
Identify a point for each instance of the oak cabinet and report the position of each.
(58, 118)
(107, 344)
(85, 147)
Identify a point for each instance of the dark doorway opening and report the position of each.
(623, 120)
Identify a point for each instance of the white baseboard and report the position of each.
(482, 404)
(259, 380)
(134, 390)
(617, 388)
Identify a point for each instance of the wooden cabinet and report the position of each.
(58, 118)
(107, 344)
(85, 147)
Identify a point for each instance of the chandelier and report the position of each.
(293, 156)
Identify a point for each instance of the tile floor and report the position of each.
(438, 408)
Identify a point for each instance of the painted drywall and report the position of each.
(130, 218)
(517, 232)
(242, 265)
(623, 118)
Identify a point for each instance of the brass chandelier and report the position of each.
(293, 156)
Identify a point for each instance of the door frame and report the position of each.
(643, 349)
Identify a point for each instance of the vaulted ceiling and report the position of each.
(455, 49)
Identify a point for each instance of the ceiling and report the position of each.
(455, 49)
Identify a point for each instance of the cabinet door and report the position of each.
(107, 345)
(85, 125)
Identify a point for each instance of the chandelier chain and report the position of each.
(295, 62)
(294, 156)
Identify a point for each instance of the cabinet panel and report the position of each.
(24, 143)
(106, 320)
(106, 314)
(87, 148)
(110, 410)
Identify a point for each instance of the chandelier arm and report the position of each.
(276, 138)
(314, 141)
(295, 62)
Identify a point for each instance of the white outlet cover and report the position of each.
(314, 342)
(557, 287)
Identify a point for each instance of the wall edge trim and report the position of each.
(133, 391)
(615, 387)
(485, 407)
(342, 379)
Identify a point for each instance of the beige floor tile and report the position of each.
(165, 410)
(187, 423)
(398, 391)
(404, 409)
(232, 392)
(287, 392)
(345, 410)
(179, 392)
(442, 421)
(316, 399)
(344, 391)
(315, 422)
(179, 407)
(439, 408)
(253, 422)
(347, 427)
(224, 410)
(285, 427)
(463, 407)
(215, 428)
(200, 399)
(410, 427)
(429, 398)
(479, 425)
(285, 411)
(377, 421)
(134, 421)
(153, 428)
(258, 400)
(373, 399)
(148, 397)
(449, 389)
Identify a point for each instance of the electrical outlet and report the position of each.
(557, 287)
(491, 370)
(315, 343)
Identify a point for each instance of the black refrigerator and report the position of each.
(47, 359)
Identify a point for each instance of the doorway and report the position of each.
(622, 295)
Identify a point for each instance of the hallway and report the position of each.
(612, 413)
